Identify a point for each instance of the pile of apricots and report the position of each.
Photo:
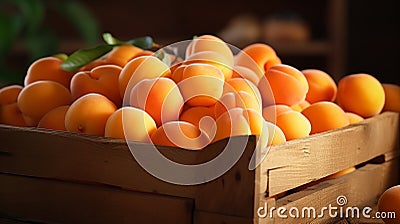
(208, 95)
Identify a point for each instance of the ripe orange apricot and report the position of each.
(293, 124)
(119, 56)
(300, 106)
(39, 97)
(362, 94)
(160, 97)
(131, 124)
(195, 114)
(10, 114)
(353, 118)
(341, 173)
(210, 43)
(9, 94)
(88, 114)
(392, 97)
(212, 58)
(288, 85)
(389, 201)
(258, 57)
(270, 112)
(180, 134)
(138, 69)
(275, 134)
(102, 79)
(201, 85)
(321, 86)
(177, 73)
(240, 84)
(324, 116)
(54, 119)
(239, 99)
(48, 68)
(245, 73)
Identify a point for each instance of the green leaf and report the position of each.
(61, 56)
(142, 42)
(109, 39)
(33, 11)
(163, 56)
(83, 57)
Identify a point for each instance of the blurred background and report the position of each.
(338, 36)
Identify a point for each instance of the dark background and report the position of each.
(370, 30)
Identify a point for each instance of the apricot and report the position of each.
(362, 94)
(341, 173)
(160, 97)
(258, 57)
(270, 112)
(195, 114)
(39, 97)
(119, 55)
(293, 124)
(177, 73)
(245, 73)
(238, 121)
(101, 79)
(275, 134)
(321, 86)
(212, 58)
(353, 118)
(240, 84)
(131, 124)
(392, 97)
(288, 85)
(88, 114)
(138, 69)
(180, 134)
(239, 99)
(48, 68)
(201, 85)
(9, 94)
(324, 116)
(389, 202)
(301, 106)
(10, 114)
(210, 43)
(54, 119)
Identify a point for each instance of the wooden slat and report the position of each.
(49, 201)
(213, 218)
(84, 159)
(304, 160)
(357, 187)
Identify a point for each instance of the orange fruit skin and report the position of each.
(160, 97)
(102, 79)
(354, 118)
(270, 112)
(131, 124)
(389, 201)
(9, 94)
(288, 85)
(362, 94)
(48, 68)
(293, 124)
(325, 116)
(39, 97)
(88, 114)
(392, 97)
(321, 86)
(258, 57)
(180, 134)
(54, 119)
(10, 114)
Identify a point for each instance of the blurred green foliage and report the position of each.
(22, 25)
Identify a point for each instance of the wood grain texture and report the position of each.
(357, 187)
(304, 160)
(50, 201)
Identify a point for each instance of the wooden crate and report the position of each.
(59, 177)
